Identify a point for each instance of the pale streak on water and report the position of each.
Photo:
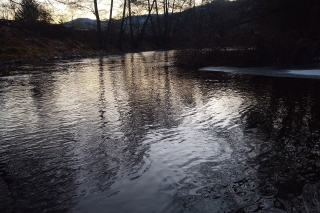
(132, 133)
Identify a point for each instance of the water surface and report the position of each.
(132, 133)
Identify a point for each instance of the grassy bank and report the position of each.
(20, 42)
(23, 42)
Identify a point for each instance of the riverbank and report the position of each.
(20, 43)
(43, 42)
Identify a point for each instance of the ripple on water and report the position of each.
(131, 133)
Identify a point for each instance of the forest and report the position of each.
(244, 33)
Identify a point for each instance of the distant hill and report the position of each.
(91, 24)
(84, 23)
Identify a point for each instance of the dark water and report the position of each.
(132, 133)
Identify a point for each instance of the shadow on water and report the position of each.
(289, 171)
(132, 133)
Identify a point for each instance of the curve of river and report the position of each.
(132, 133)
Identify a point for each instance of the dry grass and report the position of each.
(29, 42)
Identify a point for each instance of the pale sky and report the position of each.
(69, 13)
(104, 7)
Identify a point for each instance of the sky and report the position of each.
(63, 12)
(87, 12)
(103, 5)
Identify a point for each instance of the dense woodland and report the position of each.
(239, 33)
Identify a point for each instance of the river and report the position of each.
(133, 133)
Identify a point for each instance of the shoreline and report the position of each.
(61, 57)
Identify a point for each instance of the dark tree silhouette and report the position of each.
(30, 11)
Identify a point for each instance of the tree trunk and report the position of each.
(96, 13)
(109, 23)
(146, 22)
(122, 24)
(130, 23)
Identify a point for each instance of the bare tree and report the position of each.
(122, 27)
(96, 13)
(109, 22)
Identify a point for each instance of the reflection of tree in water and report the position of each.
(150, 91)
(275, 166)
(33, 175)
(129, 105)
(148, 105)
(143, 96)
